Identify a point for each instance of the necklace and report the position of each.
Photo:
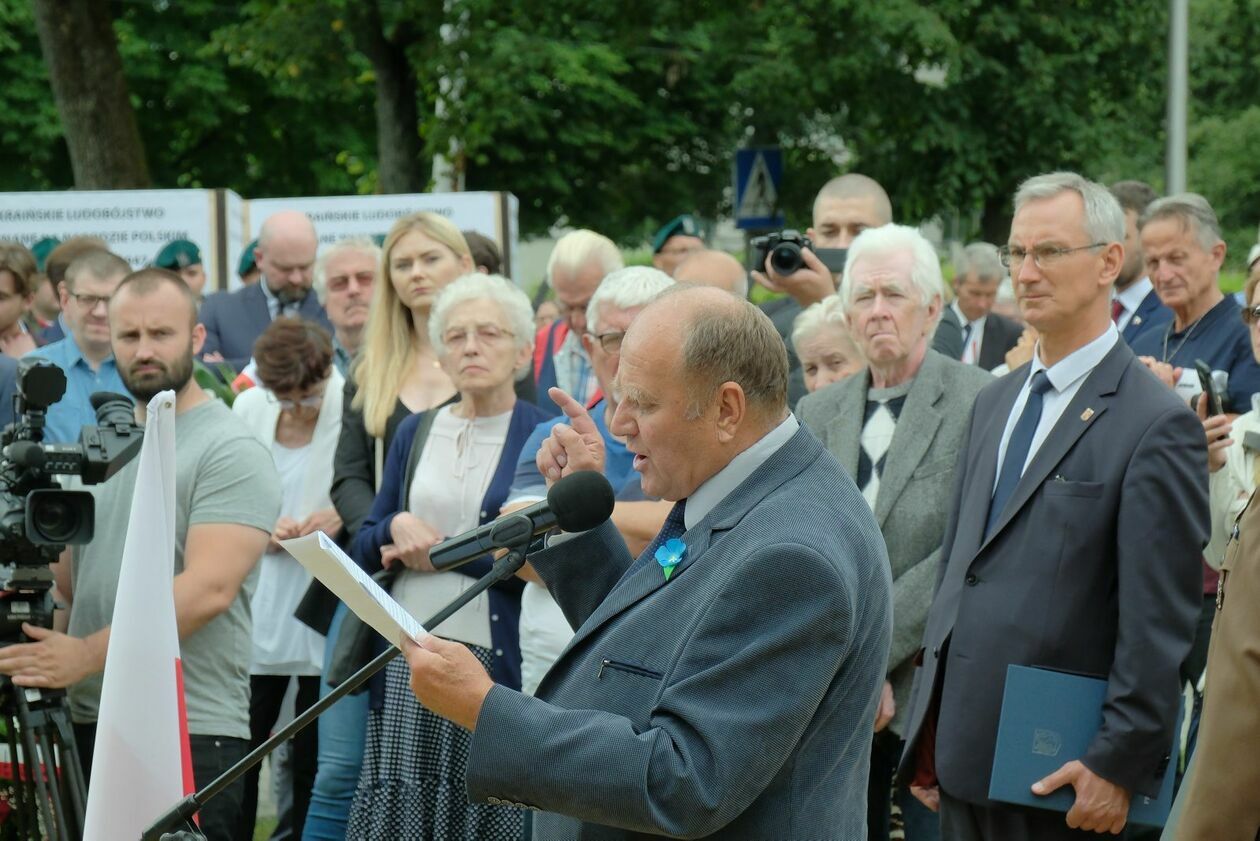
(1168, 333)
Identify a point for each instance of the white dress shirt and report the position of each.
(975, 341)
(1066, 377)
(1131, 298)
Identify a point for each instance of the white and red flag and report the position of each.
(141, 765)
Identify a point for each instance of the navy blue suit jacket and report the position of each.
(235, 320)
(1150, 315)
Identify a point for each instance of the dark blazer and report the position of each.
(735, 700)
(1150, 315)
(1000, 335)
(235, 320)
(914, 489)
(783, 311)
(947, 340)
(1093, 568)
(400, 467)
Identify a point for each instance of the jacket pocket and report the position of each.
(629, 668)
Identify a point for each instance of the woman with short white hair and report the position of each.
(448, 470)
(823, 343)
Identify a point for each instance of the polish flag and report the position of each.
(141, 765)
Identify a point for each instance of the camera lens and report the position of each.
(59, 517)
(786, 258)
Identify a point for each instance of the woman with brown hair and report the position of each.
(296, 413)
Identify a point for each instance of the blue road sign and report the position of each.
(758, 173)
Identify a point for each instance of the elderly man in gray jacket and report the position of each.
(897, 428)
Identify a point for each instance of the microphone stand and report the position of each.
(182, 812)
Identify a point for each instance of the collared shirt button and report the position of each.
(972, 580)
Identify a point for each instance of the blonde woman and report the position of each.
(395, 375)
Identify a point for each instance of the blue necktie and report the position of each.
(674, 527)
(966, 333)
(1017, 449)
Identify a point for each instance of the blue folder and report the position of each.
(1050, 718)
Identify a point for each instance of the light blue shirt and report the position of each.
(721, 484)
(67, 417)
(1066, 377)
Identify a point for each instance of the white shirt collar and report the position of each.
(962, 319)
(1079, 362)
(720, 485)
(1133, 296)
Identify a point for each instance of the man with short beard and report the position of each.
(228, 498)
(286, 257)
(1135, 306)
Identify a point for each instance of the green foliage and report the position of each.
(620, 115)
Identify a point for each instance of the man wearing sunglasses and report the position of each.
(84, 353)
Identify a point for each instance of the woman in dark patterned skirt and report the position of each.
(448, 470)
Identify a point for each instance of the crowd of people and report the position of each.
(839, 518)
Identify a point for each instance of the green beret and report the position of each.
(178, 254)
(247, 264)
(42, 249)
(684, 225)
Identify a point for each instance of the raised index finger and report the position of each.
(578, 417)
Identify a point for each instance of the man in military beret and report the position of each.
(184, 258)
(679, 237)
(247, 269)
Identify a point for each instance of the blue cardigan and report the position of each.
(505, 597)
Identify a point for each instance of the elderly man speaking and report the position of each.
(898, 430)
(725, 687)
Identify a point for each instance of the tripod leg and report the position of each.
(33, 764)
(71, 767)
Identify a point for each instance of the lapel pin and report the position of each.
(670, 554)
(1087, 414)
(1137, 319)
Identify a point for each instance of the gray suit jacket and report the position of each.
(235, 320)
(914, 490)
(734, 701)
(1094, 568)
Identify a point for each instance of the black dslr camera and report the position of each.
(37, 517)
(784, 250)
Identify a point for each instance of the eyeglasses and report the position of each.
(89, 302)
(486, 334)
(1251, 314)
(610, 342)
(1012, 257)
(341, 283)
(303, 403)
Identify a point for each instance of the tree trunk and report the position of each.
(398, 147)
(77, 38)
(995, 223)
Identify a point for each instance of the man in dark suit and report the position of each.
(724, 684)
(986, 336)
(897, 428)
(1135, 306)
(286, 255)
(1080, 512)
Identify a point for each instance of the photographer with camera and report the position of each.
(228, 500)
(843, 208)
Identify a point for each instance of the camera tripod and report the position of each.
(49, 791)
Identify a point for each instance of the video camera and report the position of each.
(38, 519)
(784, 250)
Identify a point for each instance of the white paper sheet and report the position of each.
(325, 560)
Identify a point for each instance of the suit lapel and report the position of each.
(794, 456)
(256, 309)
(915, 430)
(844, 431)
(1087, 406)
(977, 492)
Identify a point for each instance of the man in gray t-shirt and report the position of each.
(228, 501)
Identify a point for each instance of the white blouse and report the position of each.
(454, 472)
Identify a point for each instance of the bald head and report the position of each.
(724, 339)
(845, 207)
(286, 255)
(714, 268)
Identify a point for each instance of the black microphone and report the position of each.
(578, 502)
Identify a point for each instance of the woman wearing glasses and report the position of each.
(448, 470)
(296, 413)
